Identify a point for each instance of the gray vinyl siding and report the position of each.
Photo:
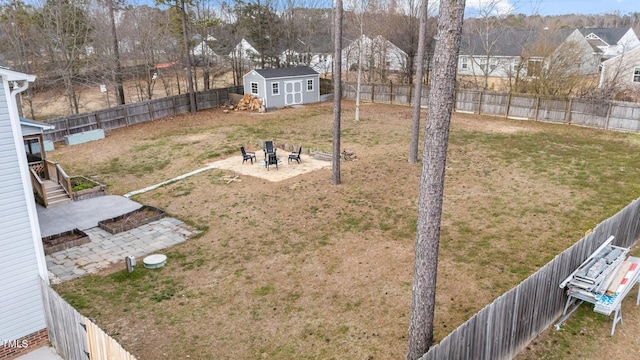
(21, 310)
(271, 101)
(254, 77)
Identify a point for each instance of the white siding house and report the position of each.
(622, 73)
(377, 53)
(243, 51)
(22, 260)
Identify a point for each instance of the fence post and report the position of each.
(391, 92)
(98, 124)
(537, 108)
(126, 115)
(455, 100)
(411, 94)
(480, 103)
(373, 91)
(606, 124)
(506, 114)
(150, 110)
(567, 115)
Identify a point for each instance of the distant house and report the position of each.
(622, 73)
(523, 54)
(202, 48)
(244, 52)
(282, 87)
(588, 48)
(377, 53)
(498, 54)
(610, 42)
(320, 62)
(22, 260)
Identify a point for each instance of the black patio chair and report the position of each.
(271, 160)
(269, 148)
(296, 155)
(247, 155)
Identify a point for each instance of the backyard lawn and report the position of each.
(301, 269)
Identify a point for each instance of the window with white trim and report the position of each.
(463, 63)
(275, 88)
(310, 85)
(534, 68)
(636, 74)
(254, 87)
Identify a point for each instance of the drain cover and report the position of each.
(154, 261)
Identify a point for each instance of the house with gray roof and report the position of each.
(282, 87)
(610, 42)
(506, 55)
(526, 53)
(587, 49)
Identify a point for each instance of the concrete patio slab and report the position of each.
(84, 214)
(42, 353)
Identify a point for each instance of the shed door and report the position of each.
(292, 92)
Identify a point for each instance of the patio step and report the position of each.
(55, 193)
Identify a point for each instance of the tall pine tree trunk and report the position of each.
(417, 94)
(441, 99)
(187, 56)
(117, 76)
(337, 94)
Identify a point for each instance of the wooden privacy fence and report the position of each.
(506, 326)
(135, 113)
(103, 346)
(610, 115)
(74, 336)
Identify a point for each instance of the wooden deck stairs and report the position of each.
(55, 193)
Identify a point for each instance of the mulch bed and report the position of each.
(132, 220)
(65, 240)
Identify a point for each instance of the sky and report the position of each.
(560, 7)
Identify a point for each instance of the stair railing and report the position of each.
(38, 186)
(57, 173)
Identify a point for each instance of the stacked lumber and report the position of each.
(621, 278)
(249, 102)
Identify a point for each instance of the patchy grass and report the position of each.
(303, 269)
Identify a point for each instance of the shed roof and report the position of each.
(284, 72)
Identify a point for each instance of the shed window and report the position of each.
(254, 87)
(310, 85)
(275, 89)
(636, 74)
